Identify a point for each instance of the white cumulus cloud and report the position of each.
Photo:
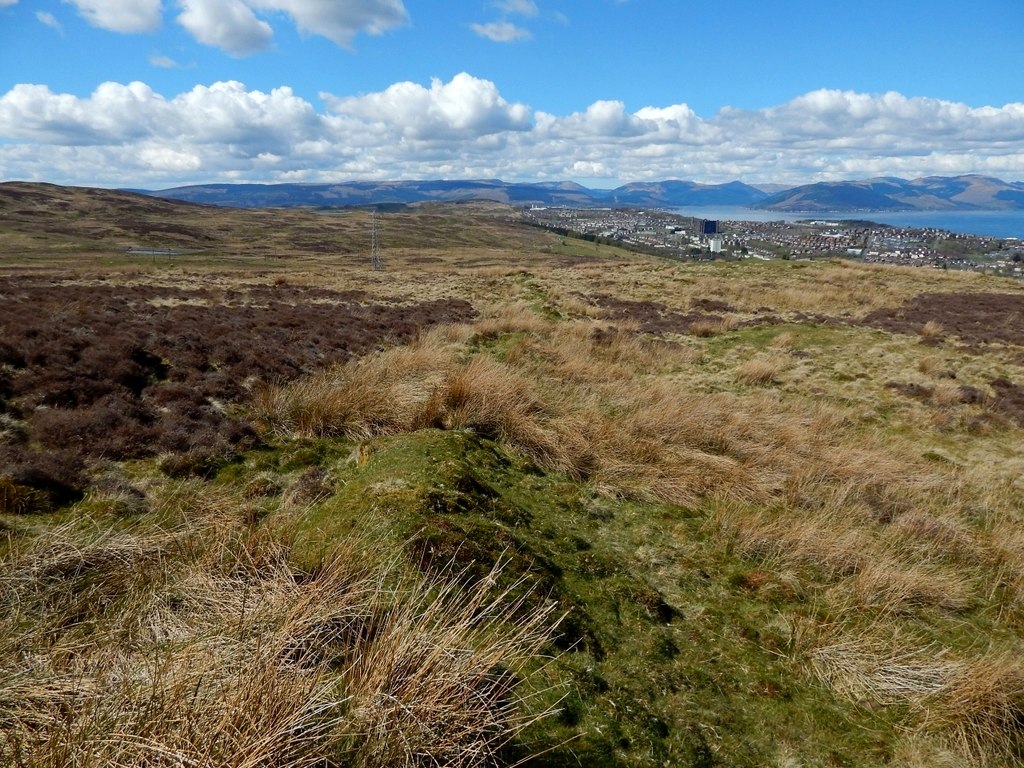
(130, 135)
(243, 27)
(227, 24)
(121, 15)
(464, 107)
(340, 20)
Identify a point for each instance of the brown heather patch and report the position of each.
(657, 318)
(119, 372)
(1009, 399)
(1001, 406)
(974, 318)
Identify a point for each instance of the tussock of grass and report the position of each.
(493, 400)
(828, 541)
(930, 365)
(946, 394)
(974, 705)
(377, 395)
(758, 371)
(198, 645)
(1007, 548)
(659, 443)
(783, 341)
(883, 670)
(516, 317)
(713, 326)
(894, 586)
(980, 710)
(936, 537)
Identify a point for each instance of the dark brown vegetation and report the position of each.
(974, 318)
(656, 318)
(94, 371)
(1006, 400)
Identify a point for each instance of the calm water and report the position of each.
(990, 223)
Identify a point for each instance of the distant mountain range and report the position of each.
(932, 193)
(969, 192)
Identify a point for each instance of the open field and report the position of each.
(513, 498)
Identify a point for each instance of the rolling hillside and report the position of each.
(517, 499)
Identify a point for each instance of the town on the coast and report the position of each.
(675, 236)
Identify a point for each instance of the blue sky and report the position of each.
(157, 93)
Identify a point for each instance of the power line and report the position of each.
(375, 259)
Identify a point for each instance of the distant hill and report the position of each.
(932, 193)
(48, 213)
(655, 194)
(678, 193)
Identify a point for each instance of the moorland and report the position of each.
(515, 499)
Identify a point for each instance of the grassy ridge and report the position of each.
(804, 548)
(634, 513)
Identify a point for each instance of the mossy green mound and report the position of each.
(671, 651)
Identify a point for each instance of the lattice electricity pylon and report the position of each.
(375, 260)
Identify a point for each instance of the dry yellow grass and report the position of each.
(713, 327)
(829, 541)
(759, 371)
(883, 668)
(890, 585)
(196, 644)
(378, 395)
(980, 709)
(493, 400)
(973, 705)
(930, 365)
(946, 393)
(938, 535)
(783, 341)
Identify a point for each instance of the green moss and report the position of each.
(671, 650)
